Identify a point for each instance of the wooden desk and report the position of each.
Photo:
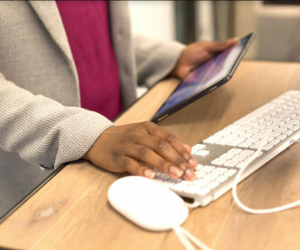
(72, 212)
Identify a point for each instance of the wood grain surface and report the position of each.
(72, 212)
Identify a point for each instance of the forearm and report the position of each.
(43, 131)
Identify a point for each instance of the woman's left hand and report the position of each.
(196, 53)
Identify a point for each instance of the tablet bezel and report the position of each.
(204, 92)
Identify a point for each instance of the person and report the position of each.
(66, 66)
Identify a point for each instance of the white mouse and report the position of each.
(147, 204)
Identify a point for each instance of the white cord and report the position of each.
(186, 238)
(237, 178)
(183, 239)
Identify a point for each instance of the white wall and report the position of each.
(153, 18)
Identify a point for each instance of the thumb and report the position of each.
(215, 47)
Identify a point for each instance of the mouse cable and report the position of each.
(186, 238)
(238, 176)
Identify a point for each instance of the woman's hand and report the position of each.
(123, 149)
(196, 53)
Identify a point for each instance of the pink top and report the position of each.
(87, 27)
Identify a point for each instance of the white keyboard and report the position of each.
(221, 155)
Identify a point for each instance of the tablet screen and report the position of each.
(209, 73)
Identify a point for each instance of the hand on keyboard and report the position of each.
(118, 149)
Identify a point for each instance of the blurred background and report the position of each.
(276, 24)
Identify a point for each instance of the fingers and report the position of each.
(148, 156)
(215, 47)
(188, 148)
(135, 168)
(158, 132)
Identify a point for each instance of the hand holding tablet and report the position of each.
(207, 77)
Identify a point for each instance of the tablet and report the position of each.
(204, 79)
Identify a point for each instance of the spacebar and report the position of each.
(254, 114)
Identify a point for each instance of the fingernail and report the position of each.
(193, 163)
(234, 39)
(149, 173)
(190, 174)
(186, 156)
(176, 171)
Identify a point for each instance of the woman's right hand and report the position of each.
(122, 148)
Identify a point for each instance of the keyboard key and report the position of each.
(234, 151)
(210, 177)
(199, 166)
(186, 183)
(202, 153)
(281, 130)
(200, 174)
(274, 134)
(267, 147)
(239, 157)
(241, 164)
(201, 183)
(230, 172)
(251, 123)
(254, 114)
(272, 127)
(219, 171)
(232, 127)
(259, 119)
(259, 154)
(236, 142)
(259, 135)
(260, 126)
(272, 118)
(253, 131)
(194, 150)
(191, 190)
(279, 123)
(199, 146)
(222, 178)
(175, 180)
(288, 133)
(231, 163)
(294, 122)
(246, 135)
(163, 177)
(213, 185)
(258, 144)
(226, 139)
(212, 140)
(265, 131)
(282, 137)
(222, 133)
(246, 127)
(275, 142)
(286, 125)
(265, 122)
(252, 139)
(245, 144)
(203, 191)
(239, 132)
(247, 152)
(227, 156)
(295, 128)
(207, 169)
(167, 184)
(157, 173)
(218, 161)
